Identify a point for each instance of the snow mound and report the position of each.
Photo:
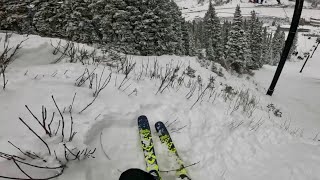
(226, 126)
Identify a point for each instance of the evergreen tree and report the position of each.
(49, 20)
(277, 45)
(265, 46)
(176, 27)
(78, 20)
(212, 34)
(225, 34)
(293, 47)
(192, 45)
(238, 56)
(255, 39)
(210, 51)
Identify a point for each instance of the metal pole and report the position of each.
(305, 63)
(289, 41)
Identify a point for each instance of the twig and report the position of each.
(32, 165)
(57, 128)
(21, 169)
(49, 125)
(44, 111)
(36, 134)
(172, 122)
(8, 156)
(180, 168)
(26, 154)
(177, 130)
(62, 118)
(57, 175)
(104, 152)
(97, 117)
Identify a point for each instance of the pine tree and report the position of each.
(103, 18)
(192, 45)
(212, 34)
(210, 51)
(49, 20)
(277, 45)
(17, 15)
(238, 55)
(265, 46)
(176, 26)
(255, 39)
(78, 22)
(293, 47)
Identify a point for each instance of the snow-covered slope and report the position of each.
(191, 10)
(229, 131)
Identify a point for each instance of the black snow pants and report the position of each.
(136, 174)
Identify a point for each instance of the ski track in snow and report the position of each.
(258, 149)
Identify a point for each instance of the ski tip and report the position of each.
(158, 123)
(142, 117)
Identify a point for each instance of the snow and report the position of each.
(303, 88)
(270, 9)
(227, 142)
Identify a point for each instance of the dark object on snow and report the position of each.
(309, 37)
(278, 1)
(300, 58)
(288, 44)
(295, 53)
(136, 174)
(305, 63)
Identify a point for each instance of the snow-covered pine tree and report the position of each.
(145, 33)
(212, 33)
(176, 27)
(225, 34)
(293, 47)
(210, 51)
(277, 45)
(134, 20)
(192, 44)
(255, 40)
(238, 55)
(16, 15)
(268, 58)
(198, 34)
(79, 25)
(164, 33)
(188, 42)
(49, 19)
(265, 46)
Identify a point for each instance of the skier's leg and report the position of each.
(135, 174)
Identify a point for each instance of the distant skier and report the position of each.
(136, 174)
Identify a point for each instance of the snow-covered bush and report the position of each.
(7, 56)
(58, 140)
(276, 111)
(190, 72)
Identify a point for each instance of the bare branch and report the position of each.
(104, 152)
(62, 118)
(21, 169)
(36, 134)
(180, 168)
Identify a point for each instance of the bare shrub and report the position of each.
(66, 155)
(190, 72)
(7, 56)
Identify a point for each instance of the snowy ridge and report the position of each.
(229, 142)
(270, 8)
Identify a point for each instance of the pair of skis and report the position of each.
(149, 152)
